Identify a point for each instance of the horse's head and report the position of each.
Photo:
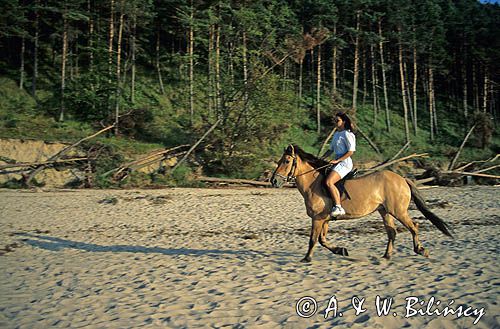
(286, 167)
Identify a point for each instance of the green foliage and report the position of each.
(251, 86)
(14, 100)
(88, 97)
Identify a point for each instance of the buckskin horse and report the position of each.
(384, 191)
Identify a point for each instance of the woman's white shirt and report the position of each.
(342, 142)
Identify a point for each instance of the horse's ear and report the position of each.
(289, 149)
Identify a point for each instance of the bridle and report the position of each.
(290, 175)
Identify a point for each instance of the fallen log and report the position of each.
(455, 158)
(478, 161)
(372, 144)
(153, 155)
(320, 152)
(33, 173)
(464, 173)
(386, 164)
(196, 144)
(400, 151)
(156, 156)
(43, 163)
(122, 174)
(425, 180)
(485, 169)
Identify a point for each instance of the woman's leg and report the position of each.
(333, 178)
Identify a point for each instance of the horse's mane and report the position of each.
(309, 158)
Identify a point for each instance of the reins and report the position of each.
(315, 169)
(294, 167)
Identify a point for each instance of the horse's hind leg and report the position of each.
(322, 240)
(391, 232)
(405, 219)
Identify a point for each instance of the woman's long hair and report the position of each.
(348, 123)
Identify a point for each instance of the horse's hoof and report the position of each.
(344, 252)
(306, 260)
(386, 256)
(422, 251)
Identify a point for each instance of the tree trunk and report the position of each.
(63, 64)
(91, 46)
(191, 64)
(118, 68)
(408, 93)
(485, 89)
(71, 64)
(35, 50)
(217, 73)
(475, 92)
(464, 82)
(285, 76)
(415, 72)
(245, 68)
(334, 62)
(318, 92)
(434, 108)
(21, 69)
(158, 67)
(403, 86)
(111, 36)
(210, 67)
(431, 102)
(374, 83)
(132, 55)
(363, 65)
(91, 35)
(312, 84)
(301, 64)
(384, 80)
(230, 54)
(356, 64)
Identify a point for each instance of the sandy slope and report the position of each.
(230, 258)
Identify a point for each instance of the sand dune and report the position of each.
(187, 258)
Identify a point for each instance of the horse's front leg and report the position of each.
(322, 240)
(317, 226)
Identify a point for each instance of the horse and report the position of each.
(384, 191)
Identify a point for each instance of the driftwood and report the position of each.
(404, 148)
(196, 144)
(156, 156)
(59, 154)
(43, 163)
(372, 144)
(455, 158)
(464, 173)
(237, 181)
(479, 161)
(326, 141)
(425, 180)
(386, 164)
(485, 169)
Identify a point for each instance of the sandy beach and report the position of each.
(230, 258)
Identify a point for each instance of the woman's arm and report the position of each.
(342, 158)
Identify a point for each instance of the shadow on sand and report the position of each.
(58, 244)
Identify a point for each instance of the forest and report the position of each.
(251, 76)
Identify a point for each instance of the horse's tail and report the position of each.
(422, 206)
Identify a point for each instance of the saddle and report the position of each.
(340, 184)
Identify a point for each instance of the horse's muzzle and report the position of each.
(277, 181)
